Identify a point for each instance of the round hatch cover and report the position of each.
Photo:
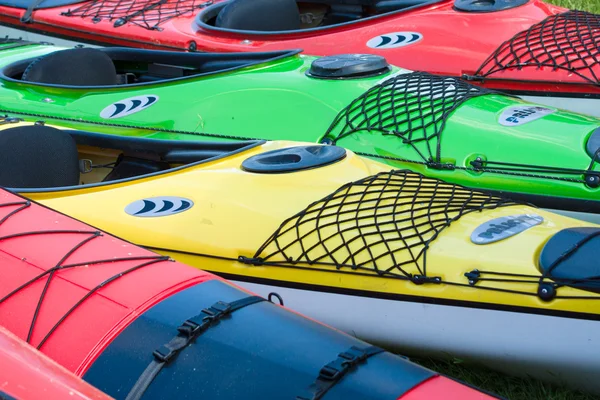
(345, 66)
(487, 5)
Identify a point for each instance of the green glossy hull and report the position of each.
(277, 100)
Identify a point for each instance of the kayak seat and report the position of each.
(38, 157)
(74, 67)
(580, 268)
(260, 15)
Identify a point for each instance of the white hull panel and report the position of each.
(35, 37)
(587, 217)
(555, 349)
(588, 106)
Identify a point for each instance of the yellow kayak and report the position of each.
(390, 255)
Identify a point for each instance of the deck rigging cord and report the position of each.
(88, 236)
(414, 107)
(147, 14)
(569, 41)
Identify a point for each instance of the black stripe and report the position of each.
(576, 95)
(390, 296)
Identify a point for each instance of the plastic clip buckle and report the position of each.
(164, 354)
(329, 372)
(190, 327)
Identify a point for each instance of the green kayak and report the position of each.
(439, 126)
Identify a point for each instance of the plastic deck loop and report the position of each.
(188, 332)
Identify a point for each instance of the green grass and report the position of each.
(510, 387)
(587, 5)
(506, 386)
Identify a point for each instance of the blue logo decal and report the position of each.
(158, 206)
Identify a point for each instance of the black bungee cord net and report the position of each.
(383, 225)
(380, 225)
(414, 107)
(569, 41)
(148, 14)
(87, 236)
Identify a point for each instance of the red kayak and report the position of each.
(526, 47)
(27, 374)
(138, 325)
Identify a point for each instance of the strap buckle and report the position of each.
(331, 371)
(343, 363)
(353, 355)
(218, 309)
(163, 354)
(214, 313)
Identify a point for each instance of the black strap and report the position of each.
(188, 332)
(26, 18)
(333, 372)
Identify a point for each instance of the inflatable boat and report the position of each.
(393, 257)
(525, 47)
(138, 325)
(27, 374)
(441, 127)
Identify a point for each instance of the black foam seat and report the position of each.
(583, 264)
(73, 67)
(260, 15)
(37, 157)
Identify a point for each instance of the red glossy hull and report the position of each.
(453, 43)
(91, 302)
(35, 311)
(27, 374)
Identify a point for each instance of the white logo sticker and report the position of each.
(129, 106)
(394, 40)
(158, 206)
(504, 227)
(515, 116)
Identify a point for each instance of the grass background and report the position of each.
(587, 5)
(503, 385)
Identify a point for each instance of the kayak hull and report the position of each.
(27, 374)
(479, 139)
(107, 310)
(433, 22)
(588, 105)
(233, 220)
(507, 339)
